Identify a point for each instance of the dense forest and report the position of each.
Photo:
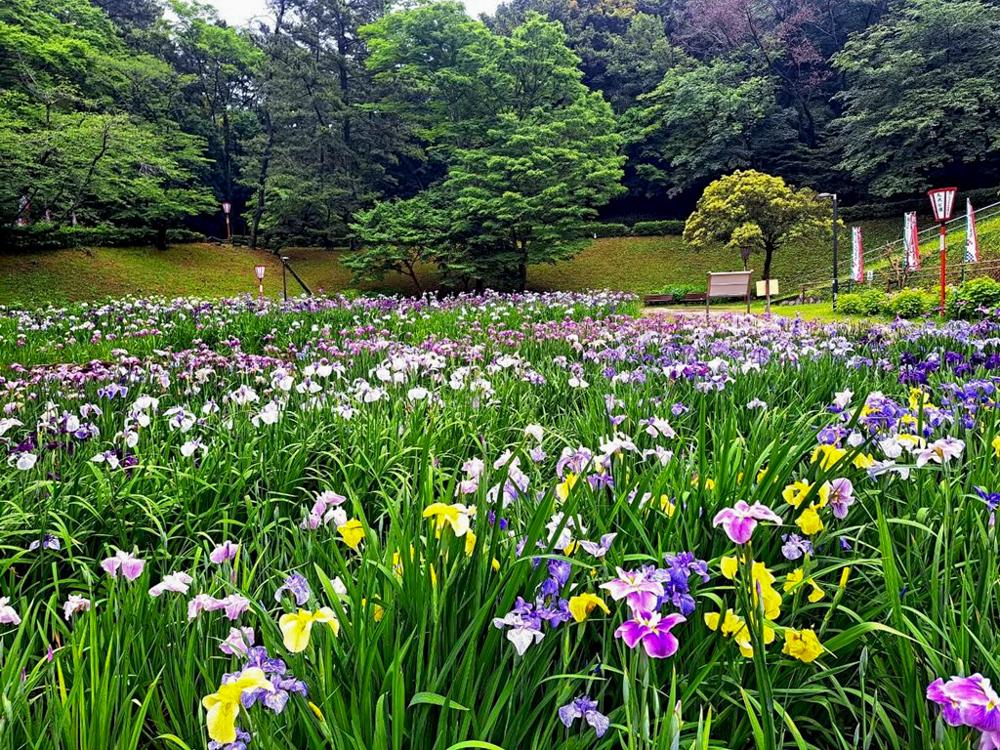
(478, 144)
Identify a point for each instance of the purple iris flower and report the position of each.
(653, 632)
(297, 586)
(972, 702)
(795, 546)
(283, 682)
(598, 550)
(586, 709)
(47, 542)
(841, 496)
(560, 571)
(242, 740)
(992, 499)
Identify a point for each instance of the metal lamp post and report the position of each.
(942, 202)
(833, 197)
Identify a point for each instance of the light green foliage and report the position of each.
(758, 211)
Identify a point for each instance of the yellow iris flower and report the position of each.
(996, 446)
(802, 645)
(844, 575)
(582, 605)
(863, 461)
(795, 578)
(296, 628)
(352, 533)
(733, 625)
(456, 516)
(796, 492)
(729, 567)
(223, 706)
(667, 506)
(827, 455)
(809, 521)
(563, 488)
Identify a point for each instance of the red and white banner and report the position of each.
(857, 256)
(911, 244)
(971, 238)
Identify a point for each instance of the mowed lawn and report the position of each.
(636, 264)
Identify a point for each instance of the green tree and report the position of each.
(758, 211)
(85, 126)
(526, 151)
(922, 103)
(701, 121)
(398, 236)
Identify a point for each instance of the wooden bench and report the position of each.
(728, 284)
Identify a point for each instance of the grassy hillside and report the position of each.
(639, 264)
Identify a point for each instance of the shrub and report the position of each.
(602, 229)
(910, 303)
(679, 290)
(972, 297)
(658, 228)
(51, 237)
(873, 302)
(849, 304)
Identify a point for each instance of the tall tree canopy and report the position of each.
(526, 151)
(512, 131)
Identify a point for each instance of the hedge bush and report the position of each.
(52, 237)
(679, 290)
(658, 228)
(607, 229)
(910, 303)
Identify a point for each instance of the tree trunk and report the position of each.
(161, 238)
(768, 255)
(265, 159)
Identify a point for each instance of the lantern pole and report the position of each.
(942, 202)
(836, 285)
(226, 208)
(259, 273)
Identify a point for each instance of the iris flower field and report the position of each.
(530, 521)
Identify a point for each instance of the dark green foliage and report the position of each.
(658, 228)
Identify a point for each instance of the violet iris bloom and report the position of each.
(739, 521)
(297, 586)
(841, 496)
(653, 632)
(586, 709)
(640, 591)
(972, 702)
(225, 551)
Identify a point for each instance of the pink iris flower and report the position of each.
(641, 593)
(653, 632)
(739, 521)
(225, 551)
(125, 563)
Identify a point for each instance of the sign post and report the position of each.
(226, 208)
(259, 273)
(942, 202)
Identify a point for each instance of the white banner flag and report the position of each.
(911, 245)
(971, 238)
(857, 256)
